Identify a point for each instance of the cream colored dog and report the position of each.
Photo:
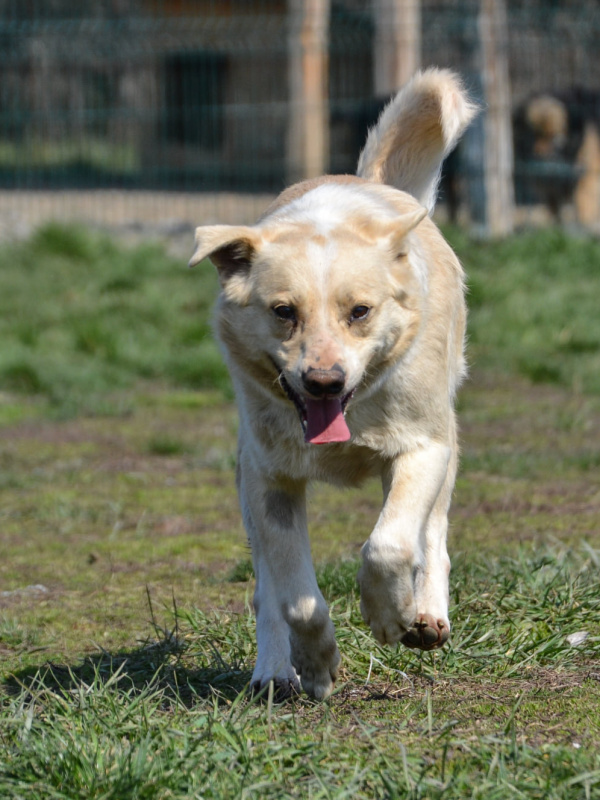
(342, 319)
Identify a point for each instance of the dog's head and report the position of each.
(319, 297)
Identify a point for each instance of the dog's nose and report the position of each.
(324, 382)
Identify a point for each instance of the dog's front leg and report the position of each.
(404, 574)
(295, 635)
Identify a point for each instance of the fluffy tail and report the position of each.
(415, 132)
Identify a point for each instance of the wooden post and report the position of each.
(587, 191)
(308, 132)
(498, 158)
(397, 49)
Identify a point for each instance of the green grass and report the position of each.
(94, 153)
(126, 635)
(509, 710)
(533, 307)
(81, 320)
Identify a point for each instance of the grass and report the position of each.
(94, 153)
(126, 635)
(533, 307)
(504, 712)
(81, 320)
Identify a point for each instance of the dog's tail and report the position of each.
(415, 132)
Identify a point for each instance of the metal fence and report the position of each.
(197, 95)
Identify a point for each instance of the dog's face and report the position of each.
(316, 310)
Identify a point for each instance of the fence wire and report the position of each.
(194, 95)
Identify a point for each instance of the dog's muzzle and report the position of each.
(322, 409)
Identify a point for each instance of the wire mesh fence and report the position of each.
(203, 96)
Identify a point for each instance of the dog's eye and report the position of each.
(287, 313)
(359, 312)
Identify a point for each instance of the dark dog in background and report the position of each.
(557, 152)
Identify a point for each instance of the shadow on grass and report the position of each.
(155, 666)
(210, 657)
(184, 667)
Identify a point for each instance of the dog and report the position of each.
(557, 152)
(341, 316)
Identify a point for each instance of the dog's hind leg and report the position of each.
(295, 635)
(404, 574)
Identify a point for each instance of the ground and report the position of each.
(126, 630)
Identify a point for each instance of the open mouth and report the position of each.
(323, 420)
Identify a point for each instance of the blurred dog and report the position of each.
(342, 318)
(557, 152)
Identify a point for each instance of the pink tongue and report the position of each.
(325, 422)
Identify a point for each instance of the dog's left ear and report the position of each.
(400, 228)
(230, 248)
(393, 232)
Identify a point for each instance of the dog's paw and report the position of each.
(286, 684)
(387, 600)
(283, 688)
(317, 662)
(427, 633)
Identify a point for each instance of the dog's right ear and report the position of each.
(231, 248)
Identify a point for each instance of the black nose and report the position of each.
(324, 382)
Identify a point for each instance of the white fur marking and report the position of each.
(321, 256)
(331, 206)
